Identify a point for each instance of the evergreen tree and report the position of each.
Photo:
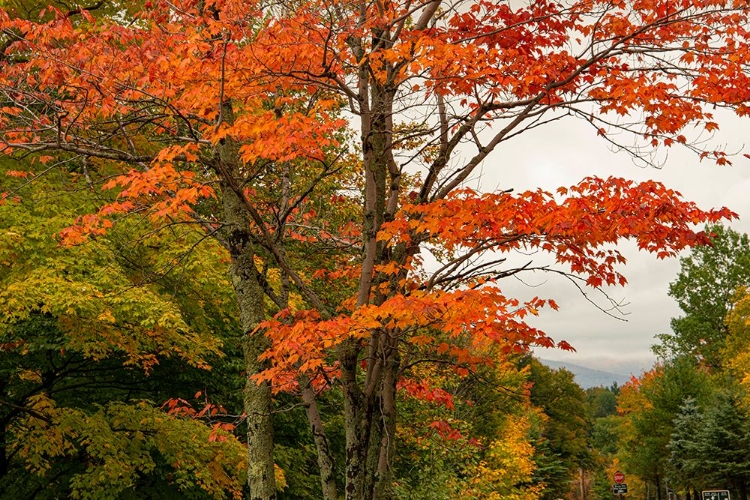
(685, 458)
(723, 444)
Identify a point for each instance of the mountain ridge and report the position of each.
(588, 377)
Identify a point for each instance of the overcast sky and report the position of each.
(563, 153)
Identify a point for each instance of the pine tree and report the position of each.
(685, 459)
(723, 444)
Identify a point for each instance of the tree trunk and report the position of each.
(237, 238)
(357, 416)
(384, 474)
(582, 479)
(261, 480)
(325, 459)
(370, 401)
(257, 397)
(371, 427)
(658, 488)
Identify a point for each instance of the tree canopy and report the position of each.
(706, 289)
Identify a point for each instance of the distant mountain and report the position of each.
(587, 377)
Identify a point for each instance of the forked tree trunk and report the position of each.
(357, 409)
(383, 487)
(371, 428)
(370, 401)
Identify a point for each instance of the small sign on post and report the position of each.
(619, 488)
(716, 495)
(619, 477)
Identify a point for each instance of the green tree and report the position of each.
(685, 455)
(602, 400)
(709, 277)
(94, 339)
(722, 447)
(650, 406)
(562, 447)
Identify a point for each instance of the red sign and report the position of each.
(619, 477)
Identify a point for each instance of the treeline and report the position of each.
(683, 427)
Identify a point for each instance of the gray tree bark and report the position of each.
(245, 277)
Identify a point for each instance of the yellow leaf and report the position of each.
(106, 316)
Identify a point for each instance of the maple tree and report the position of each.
(736, 354)
(238, 117)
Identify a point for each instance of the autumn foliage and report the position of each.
(358, 256)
